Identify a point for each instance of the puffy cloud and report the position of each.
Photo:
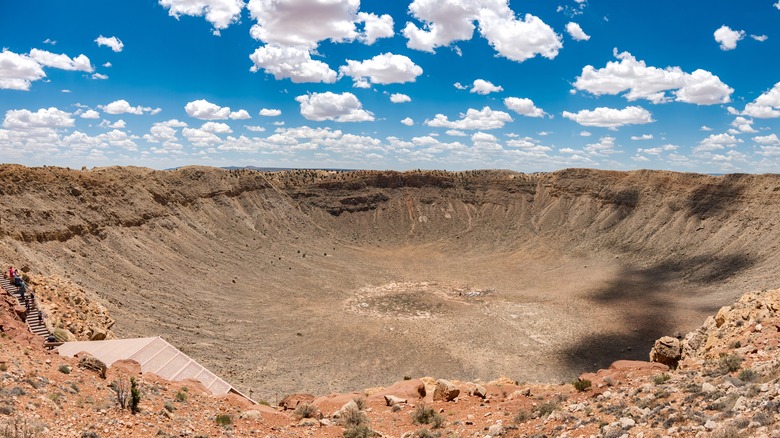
(765, 106)
(119, 124)
(777, 5)
(485, 118)
(294, 63)
(99, 76)
(220, 13)
(455, 133)
(344, 107)
(771, 140)
(604, 147)
(200, 138)
(216, 128)
(717, 142)
(610, 117)
(304, 23)
(399, 98)
(576, 32)
(241, 114)
(512, 38)
(742, 124)
(90, 114)
(657, 150)
(18, 71)
(255, 128)
(123, 107)
(523, 106)
(642, 137)
(375, 27)
(51, 118)
(483, 137)
(205, 110)
(386, 68)
(270, 112)
(64, 62)
(759, 38)
(164, 132)
(484, 87)
(407, 121)
(727, 38)
(113, 42)
(585, 134)
(700, 87)
(460, 86)
(705, 128)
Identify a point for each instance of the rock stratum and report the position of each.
(317, 281)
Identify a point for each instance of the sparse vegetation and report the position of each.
(181, 396)
(64, 369)
(660, 379)
(582, 384)
(426, 415)
(426, 433)
(546, 408)
(358, 431)
(305, 410)
(223, 420)
(748, 375)
(728, 363)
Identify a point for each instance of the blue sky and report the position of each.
(432, 84)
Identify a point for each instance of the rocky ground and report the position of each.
(724, 382)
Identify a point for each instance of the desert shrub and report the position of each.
(223, 420)
(135, 395)
(305, 410)
(169, 407)
(736, 344)
(354, 417)
(728, 363)
(661, 379)
(120, 392)
(360, 402)
(546, 408)
(89, 435)
(60, 335)
(581, 384)
(396, 408)
(426, 415)
(762, 418)
(522, 417)
(181, 396)
(358, 431)
(748, 375)
(425, 433)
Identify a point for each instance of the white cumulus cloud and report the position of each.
(727, 37)
(375, 27)
(407, 121)
(642, 82)
(399, 98)
(513, 38)
(610, 117)
(386, 68)
(18, 71)
(112, 42)
(51, 118)
(90, 114)
(765, 106)
(474, 119)
(717, 142)
(216, 128)
(123, 107)
(523, 106)
(267, 112)
(770, 139)
(220, 13)
(344, 107)
(576, 32)
(205, 110)
(241, 114)
(303, 23)
(483, 87)
(293, 63)
(64, 62)
(642, 137)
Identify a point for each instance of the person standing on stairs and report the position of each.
(22, 291)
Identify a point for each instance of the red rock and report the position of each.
(621, 365)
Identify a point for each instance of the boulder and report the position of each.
(251, 415)
(21, 312)
(350, 405)
(292, 401)
(479, 391)
(667, 351)
(392, 400)
(91, 363)
(97, 334)
(445, 391)
(407, 389)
